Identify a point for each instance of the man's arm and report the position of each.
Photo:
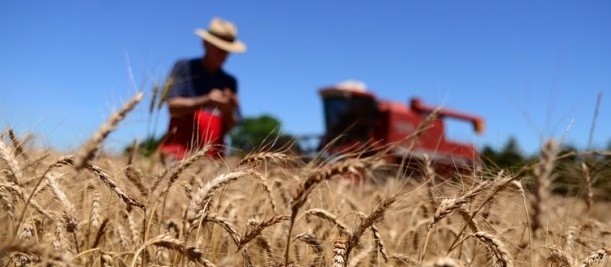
(181, 106)
(231, 115)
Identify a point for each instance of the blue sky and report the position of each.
(532, 69)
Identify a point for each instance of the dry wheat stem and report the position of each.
(87, 151)
(100, 233)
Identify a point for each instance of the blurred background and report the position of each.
(531, 69)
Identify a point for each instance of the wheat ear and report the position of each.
(87, 151)
(447, 206)
(17, 144)
(543, 172)
(108, 181)
(499, 184)
(135, 177)
(374, 216)
(326, 215)
(257, 228)
(587, 180)
(497, 247)
(13, 165)
(176, 245)
(352, 165)
(183, 165)
(254, 158)
(595, 257)
(339, 254)
(198, 205)
(315, 245)
(560, 257)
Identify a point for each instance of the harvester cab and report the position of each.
(356, 120)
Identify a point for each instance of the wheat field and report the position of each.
(275, 209)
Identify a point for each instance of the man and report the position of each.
(202, 101)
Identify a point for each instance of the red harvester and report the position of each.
(354, 117)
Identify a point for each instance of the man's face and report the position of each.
(214, 55)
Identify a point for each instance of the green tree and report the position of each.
(262, 132)
(510, 156)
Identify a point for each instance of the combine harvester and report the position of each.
(355, 118)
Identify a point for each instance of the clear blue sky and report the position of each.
(532, 69)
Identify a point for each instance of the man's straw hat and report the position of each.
(222, 34)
